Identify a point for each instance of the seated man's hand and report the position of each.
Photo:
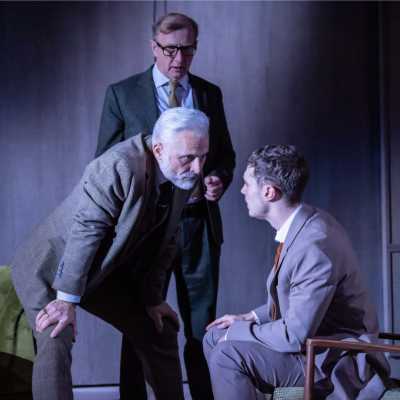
(163, 310)
(59, 313)
(214, 187)
(227, 320)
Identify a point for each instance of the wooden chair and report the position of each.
(306, 393)
(314, 343)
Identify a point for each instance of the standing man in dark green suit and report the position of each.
(132, 106)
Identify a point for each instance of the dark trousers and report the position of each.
(196, 275)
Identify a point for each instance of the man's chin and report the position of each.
(185, 184)
(176, 74)
(251, 213)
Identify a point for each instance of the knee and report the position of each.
(209, 342)
(222, 356)
(59, 346)
(211, 345)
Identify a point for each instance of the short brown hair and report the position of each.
(283, 166)
(173, 22)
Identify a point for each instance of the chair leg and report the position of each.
(308, 387)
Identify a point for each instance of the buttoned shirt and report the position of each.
(183, 91)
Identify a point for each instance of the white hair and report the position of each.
(178, 119)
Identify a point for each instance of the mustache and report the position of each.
(190, 176)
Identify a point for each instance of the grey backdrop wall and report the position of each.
(300, 73)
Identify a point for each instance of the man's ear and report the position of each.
(153, 46)
(157, 150)
(271, 193)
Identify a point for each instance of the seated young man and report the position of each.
(314, 289)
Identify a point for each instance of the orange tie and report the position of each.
(278, 251)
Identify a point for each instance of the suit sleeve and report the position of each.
(312, 288)
(226, 155)
(104, 187)
(112, 123)
(262, 313)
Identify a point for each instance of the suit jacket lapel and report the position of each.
(148, 187)
(147, 94)
(115, 259)
(299, 221)
(199, 101)
(179, 200)
(301, 218)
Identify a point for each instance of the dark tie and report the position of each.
(166, 190)
(278, 251)
(164, 201)
(160, 204)
(172, 98)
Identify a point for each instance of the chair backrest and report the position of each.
(16, 341)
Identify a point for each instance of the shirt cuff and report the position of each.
(70, 298)
(256, 317)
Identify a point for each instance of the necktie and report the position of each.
(161, 201)
(278, 251)
(172, 99)
(165, 195)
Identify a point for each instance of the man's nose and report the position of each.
(196, 165)
(179, 56)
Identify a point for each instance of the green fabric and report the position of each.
(393, 394)
(288, 393)
(296, 393)
(18, 342)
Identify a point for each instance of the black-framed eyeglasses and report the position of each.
(171, 51)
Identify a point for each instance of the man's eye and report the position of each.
(170, 50)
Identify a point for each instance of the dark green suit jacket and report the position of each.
(130, 108)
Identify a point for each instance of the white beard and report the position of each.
(185, 181)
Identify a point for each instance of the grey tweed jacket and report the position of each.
(100, 226)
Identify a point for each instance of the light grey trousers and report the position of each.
(238, 368)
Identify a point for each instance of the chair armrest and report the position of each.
(351, 345)
(313, 343)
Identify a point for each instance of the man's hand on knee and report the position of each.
(163, 310)
(227, 320)
(58, 312)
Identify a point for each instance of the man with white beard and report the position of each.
(108, 247)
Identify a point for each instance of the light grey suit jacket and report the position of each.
(319, 292)
(100, 226)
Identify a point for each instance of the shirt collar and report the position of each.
(160, 79)
(282, 232)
